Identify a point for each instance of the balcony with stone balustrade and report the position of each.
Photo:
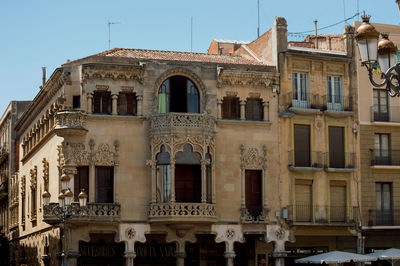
(70, 123)
(182, 212)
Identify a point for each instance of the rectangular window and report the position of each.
(254, 109)
(81, 181)
(102, 102)
(127, 103)
(381, 105)
(302, 156)
(230, 108)
(384, 203)
(300, 90)
(104, 184)
(33, 204)
(76, 101)
(334, 93)
(303, 196)
(336, 147)
(23, 209)
(382, 150)
(163, 183)
(253, 192)
(338, 201)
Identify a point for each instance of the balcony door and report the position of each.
(303, 196)
(382, 149)
(253, 192)
(381, 105)
(188, 183)
(335, 99)
(384, 203)
(336, 147)
(302, 146)
(300, 90)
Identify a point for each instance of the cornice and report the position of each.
(113, 72)
(52, 86)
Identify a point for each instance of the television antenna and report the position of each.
(109, 32)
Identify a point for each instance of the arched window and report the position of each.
(178, 94)
(163, 176)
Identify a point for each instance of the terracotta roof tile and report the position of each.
(178, 56)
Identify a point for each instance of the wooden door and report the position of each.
(253, 191)
(187, 183)
(336, 147)
(302, 145)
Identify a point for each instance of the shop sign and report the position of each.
(104, 250)
(155, 251)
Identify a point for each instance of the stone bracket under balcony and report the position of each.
(70, 123)
(93, 212)
(182, 123)
(182, 212)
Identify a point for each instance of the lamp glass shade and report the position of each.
(368, 48)
(61, 202)
(386, 61)
(82, 202)
(46, 198)
(68, 197)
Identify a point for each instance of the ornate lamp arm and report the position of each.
(392, 79)
(371, 78)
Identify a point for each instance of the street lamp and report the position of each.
(380, 54)
(64, 211)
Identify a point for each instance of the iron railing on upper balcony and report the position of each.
(385, 157)
(316, 101)
(298, 158)
(389, 217)
(387, 114)
(340, 159)
(317, 214)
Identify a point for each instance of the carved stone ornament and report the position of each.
(229, 78)
(46, 174)
(113, 72)
(246, 217)
(76, 154)
(252, 159)
(33, 179)
(230, 233)
(23, 185)
(60, 159)
(130, 233)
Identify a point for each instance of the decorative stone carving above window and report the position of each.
(252, 159)
(23, 185)
(228, 78)
(33, 180)
(76, 154)
(102, 72)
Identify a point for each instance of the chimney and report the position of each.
(43, 76)
(279, 40)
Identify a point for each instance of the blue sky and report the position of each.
(47, 33)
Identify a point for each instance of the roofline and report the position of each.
(6, 112)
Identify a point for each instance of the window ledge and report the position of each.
(384, 124)
(386, 167)
(243, 122)
(305, 111)
(302, 169)
(340, 170)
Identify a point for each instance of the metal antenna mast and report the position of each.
(258, 16)
(191, 34)
(109, 32)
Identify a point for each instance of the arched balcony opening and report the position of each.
(178, 94)
(164, 181)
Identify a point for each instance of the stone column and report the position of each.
(229, 234)
(72, 257)
(279, 234)
(180, 257)
(203, 181)
(266, 111)
(89, 103)
(172, 162)
(129, 258)
(242, 110)
(139, 100)
(219, 109)
(230, 256)
(114, 98)
(153, 165)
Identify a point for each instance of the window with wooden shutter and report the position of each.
(336, 147)
(338, 201)
(253, 192)
(230, 108)
(81, 181)
(254, 109)
(102, 102)
(303, 196)
(127, 103)
(302, 145)
(104, 184)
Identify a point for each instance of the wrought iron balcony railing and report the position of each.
(385, 157)
(340, 160)
(322, 214)
(170, 123)
(387, 114)
(317, 101)
(182, 211)
(298, 158)
(92, 212)
(389, 217)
